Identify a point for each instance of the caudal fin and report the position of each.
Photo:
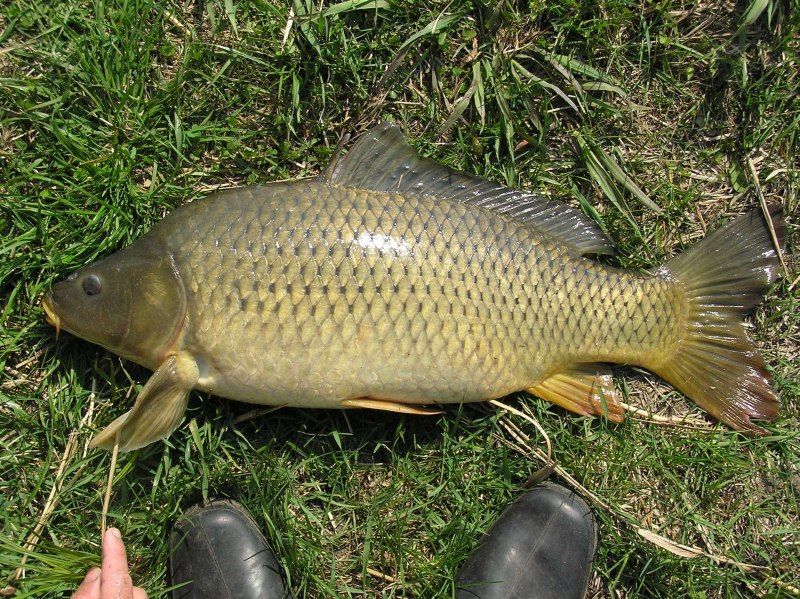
(724, 277)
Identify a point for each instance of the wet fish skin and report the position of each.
(397, 297)
(316, 294)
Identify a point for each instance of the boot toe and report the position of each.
(216, 550)
(542, 546)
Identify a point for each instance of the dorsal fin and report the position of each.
(382, 160)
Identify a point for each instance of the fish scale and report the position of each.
(346, 256)
(411, 286)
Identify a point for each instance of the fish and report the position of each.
(395, 283)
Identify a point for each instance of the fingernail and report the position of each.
(115, 532)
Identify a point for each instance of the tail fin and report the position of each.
(724, 277)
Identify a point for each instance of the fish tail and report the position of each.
(724, 277)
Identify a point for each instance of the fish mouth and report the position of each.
(50, 314)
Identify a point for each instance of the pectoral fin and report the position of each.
(388, 406)
(158, 409)
(584, 389)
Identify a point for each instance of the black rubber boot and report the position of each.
(217, 551)
(541, 547)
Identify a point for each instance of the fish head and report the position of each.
(132, 303)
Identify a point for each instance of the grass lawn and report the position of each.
(659, 120)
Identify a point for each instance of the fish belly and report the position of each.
(306, 294)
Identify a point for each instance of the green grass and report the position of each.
(112, 113)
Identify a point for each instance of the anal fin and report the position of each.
(388, 406)
(586, 389)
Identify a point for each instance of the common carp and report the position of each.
(392, 282)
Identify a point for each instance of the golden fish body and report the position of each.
(359, 290)
(306, 294)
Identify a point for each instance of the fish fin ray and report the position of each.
(724, 277)
(586, 389)
(388, 406)
(382, 160)
(158, 409)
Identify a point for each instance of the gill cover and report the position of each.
(132, 303)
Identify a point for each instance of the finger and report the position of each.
(115, 582)
(139, 593)
(90, 587)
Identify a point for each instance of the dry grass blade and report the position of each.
(789, 588)
(287, 29)
(381, 575)
(53, 497)
(109, 482)
(547, 458)
(688, 421)
(690, 552)
(533, 421)
(176, 22)
(49, 505)
(763, 203)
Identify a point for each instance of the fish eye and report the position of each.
(91, 285)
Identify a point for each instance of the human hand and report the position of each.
(112, 580)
